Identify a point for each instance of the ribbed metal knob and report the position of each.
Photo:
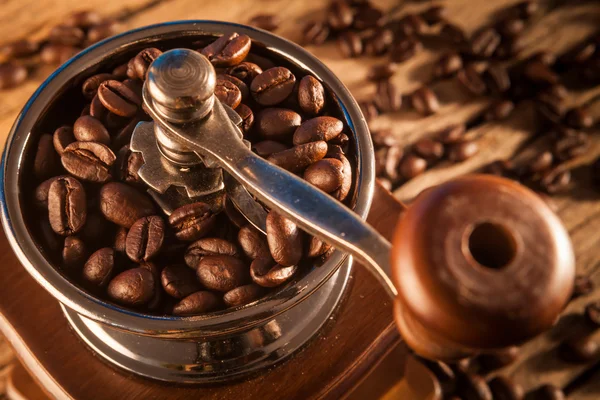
(181, 83)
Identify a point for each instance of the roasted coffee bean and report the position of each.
(245, 71)
(453, 33)
(266, 273)
(228, 93)
(472, 80)
(542, 162)
(411, 25)
(341, 140)
(179, 281)
(462, 151)
(45, 163)
(247, 116)
(526, 9)
(145, 238)
(272, 86)
(379, 42)
(425, 101)
(592, 313)
(499, 168)
(285, 240)
(473, 387)
(339, 15)
(499, 110)
(326, 174)
(141, 62)
(12, 75)
(405, 49)
(570, 147)
(299, 157)
(311, 95)
(118, 98)
(134, 287)
(315, 32)
(123, 136)
(54, 53)
(579, 118)
(382, 72)
(128, 164)
(367, 17)
(504, 388)
(123, 204)
(268, 22)
(222, 273)
(197, 303)
(316, 247)
(556, 180)
(97, 109)
(74, 253)
(508, 49)
(337, 153)
(62, 137)
(580, 349)
(380, 158)
(88, 161)
(496, 79)
(485, 42)
(318, 129)
(19, 49)
(429, 149)
(499, 358)
(412, 166)
(90, 85)
(368, 109)
(253, 242)
(99, 268)
(443, 373)
(277, 123)
(350, 44)
(120, 240)
(268, 147)
(89, 129)
(447, 65)
(392, 160)
(548, 392)
(67, 208)
(83, 19)
(230, 49)
(209, 247)
(583, 286)
(243, 88)
(578, 55)
(243, 295)
(434, 15)
(452, 134)
(387, 98)
(511, 27)
(67, 35)
(41, 192)
(192, 221)
(102, 31)
(540, 74)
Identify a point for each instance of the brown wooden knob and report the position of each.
(479, 262)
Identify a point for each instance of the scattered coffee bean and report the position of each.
(405, 49)
(192, 221)
(429, 149)
(210, 247)
(382, 72)
(299, 157)
(462, 151)
(339, 15)
(67, 207)
(315, 32)
(379, 43)
(367, 17)
(392, 161)
(228, 50)
(277, 123)
(19, 49)
(222, 272)
(571, 146)
(504, 388)
(556, 180)
(285, 240)
(12, 75)
(542, 162)
(311, 95)
(580, 349)
(485, 42)
(434, 15)
(273, 86)
(473, 387)
(453, 33)
(472, 80)
(54, 53)
(368, 109)
(592, 313)
(67, 35)
(540, 74)
(452, 134)
(583, 285)
(243, 295)
(579, 118)
(387, 98)
(497, 79)
(134, 287)
(197, 303)
(266, 273)
(123, 204)
(102, 31)
(268, 22)
(350, 44)
(411, 25)
(447, 65)
(412, 166)
(424, 101)
(499, 110)
(318, 129)
(499, 358)
(548, 392)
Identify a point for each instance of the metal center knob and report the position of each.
(181, 83)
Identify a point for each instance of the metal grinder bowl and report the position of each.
(219, 346)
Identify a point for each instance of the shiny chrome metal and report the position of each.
(22, 140)
(252, 210)
(312, 209)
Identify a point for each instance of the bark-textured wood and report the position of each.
(579, 208)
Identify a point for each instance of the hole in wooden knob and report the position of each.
(492, 245)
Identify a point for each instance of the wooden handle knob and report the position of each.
(480, 262)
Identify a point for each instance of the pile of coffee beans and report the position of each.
(79, 30)
(103, 231)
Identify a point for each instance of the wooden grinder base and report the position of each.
(359, 335)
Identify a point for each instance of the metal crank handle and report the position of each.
(310, 208)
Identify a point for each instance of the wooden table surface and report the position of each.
(555, 31)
